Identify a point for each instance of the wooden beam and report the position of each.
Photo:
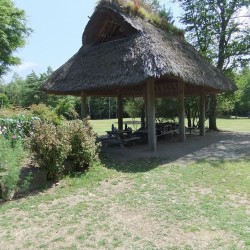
(84, 109)
(181, 111)
(145, 106)
(202, 114)
(151, 114)
(120, 112)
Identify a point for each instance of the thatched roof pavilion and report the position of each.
(123, 55)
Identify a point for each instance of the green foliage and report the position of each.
(216, 29)
(102, 107)
(242, 106)
(220, 33)
(14, 90)
(46, 114)
(226, 104)
(4, 101)
(134, 107)
(19, 126)
(13, 32)
(12, 156)
(166, 108)
(84, 149)
(25, 92)
(66, 108)
(32, 93)
(192, 110)
(50, 147)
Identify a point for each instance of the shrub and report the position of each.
(46, 114)
(50, 147)
(84, 149)
(11, 159)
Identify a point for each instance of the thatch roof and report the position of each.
(121, 52)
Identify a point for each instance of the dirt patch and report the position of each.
(201, 239)
(239, 201)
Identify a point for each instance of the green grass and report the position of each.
(235, 125)
(101, 126)
(204, 205)
(144, 204)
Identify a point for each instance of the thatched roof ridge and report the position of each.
(126, 63)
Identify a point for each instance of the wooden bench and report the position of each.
(170, 132)
(190, 129)
(121, 142)
(131, 139)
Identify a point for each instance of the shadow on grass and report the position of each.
(33, 180)
(135, 166)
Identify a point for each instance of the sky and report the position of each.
(57, 32)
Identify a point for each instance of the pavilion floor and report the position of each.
(214, 145)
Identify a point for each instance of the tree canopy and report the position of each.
(13, 34)
(219, 30)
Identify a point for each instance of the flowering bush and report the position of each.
(84, 149)
(50, 147)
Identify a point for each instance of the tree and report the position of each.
(13, 32)
(166, 109)
(242, 106)
(219, 30)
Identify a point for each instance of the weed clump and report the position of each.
(11, 158)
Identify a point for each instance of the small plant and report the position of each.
(11, 159)
(84, 149)
(50, 147)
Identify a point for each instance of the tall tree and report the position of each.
(13, 32)
(220, 30)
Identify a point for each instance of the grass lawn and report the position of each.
(237, 125)
(100, 126)
(144, 204)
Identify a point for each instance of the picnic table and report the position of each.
(161, 129)
(120, 137)
(190, 129)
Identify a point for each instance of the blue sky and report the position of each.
(57, 30)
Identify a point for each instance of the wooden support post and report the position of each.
(181, 111)
(202, 114)
(83, 105)
(151, 114)
(145, 106)
(120, 112)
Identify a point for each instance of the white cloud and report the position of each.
(25, 66)
(22, 70)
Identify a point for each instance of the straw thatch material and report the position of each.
(121, 52)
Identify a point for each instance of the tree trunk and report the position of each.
(212, 112)
(188, 114)
(143, 124)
